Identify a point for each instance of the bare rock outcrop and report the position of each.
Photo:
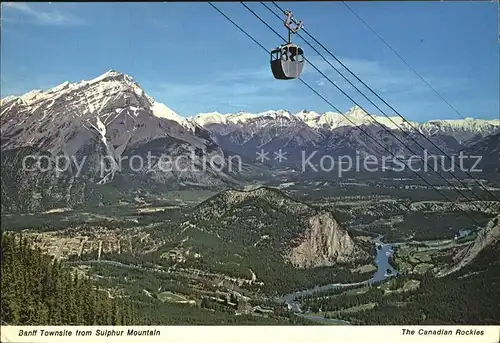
(486, 237)
(325, 243)
(269, 219)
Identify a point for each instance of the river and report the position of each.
(384, 251)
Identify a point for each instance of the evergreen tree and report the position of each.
(37, 291)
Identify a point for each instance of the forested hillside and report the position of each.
(37, 292)
(469, 296)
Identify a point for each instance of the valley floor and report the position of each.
(139, 255)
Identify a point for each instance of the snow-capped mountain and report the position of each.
(106, 120)
(465, 131)
(462, 130)
(489, 150)
(110, 101)
(114, 110)
(246, 133)
(337, 133)
(102, 122)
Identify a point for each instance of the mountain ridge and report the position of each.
(306, 236)
(111, 116)
(103, 122)
(334, 120)
(327, 120)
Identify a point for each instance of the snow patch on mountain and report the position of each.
(8, 99)
(462, 130)
(162, 111)
(210, 118)
(308, 116)
(109, 117)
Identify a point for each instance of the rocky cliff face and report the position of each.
(489, 150)
(486, 237)
(324, 244)
(24, 191)
(110, 119)
(269, 219)
(113, 130)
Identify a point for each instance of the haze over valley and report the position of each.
(177, 164)
(263, 243)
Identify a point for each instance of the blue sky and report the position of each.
(189, 57)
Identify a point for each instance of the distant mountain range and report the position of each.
(101, 123)
(342, 134)
(462, 130)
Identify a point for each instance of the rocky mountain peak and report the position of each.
(357, 112)
(313, 238)
(325, 243)
(109, 116)
(109, 89)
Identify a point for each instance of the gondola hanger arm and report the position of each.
(290, 20)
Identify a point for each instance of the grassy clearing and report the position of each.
(357, 291)
(367, 268)
(172, 297)
(406, 287)
(411, 258)
(353, 309)
(422, 268)
(411, 285)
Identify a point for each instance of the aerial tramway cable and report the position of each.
(348, 119)
(388, 105)
(396, 53)
(356, 103)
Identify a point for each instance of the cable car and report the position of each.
(287, 60)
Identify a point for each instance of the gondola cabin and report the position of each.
(287, 62)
